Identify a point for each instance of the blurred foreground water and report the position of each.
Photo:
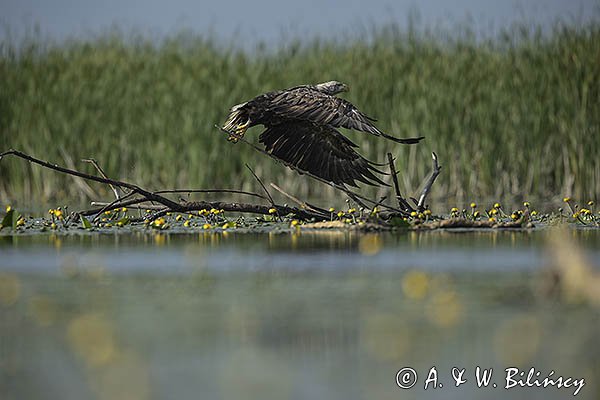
(323, 315)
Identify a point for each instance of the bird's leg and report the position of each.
(239, 131)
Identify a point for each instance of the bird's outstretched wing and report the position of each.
(320, 150)
(302, 103)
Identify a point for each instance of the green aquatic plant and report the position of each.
(58, 220)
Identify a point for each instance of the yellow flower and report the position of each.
(514, 216)
(186, 223)
(476, 214)
(178, 217)
(534, 213)
(203, 212)
(352, 211)
(567, 199)
(124, 209)
(348, 220)
(206, 226)
(294, 223)
(53, 226)
(591, 203)
(340, 214)
(473, 205)
(414, 214)
(497, 205)
(454, 210)
(214, 211)
(492, 219)
(272, 210)
(21, 221)
(375, 210)
(331, 209)
(58, 214)
(526, 204)
(427, 212)
(8, 208)
(107, 212)
(493, 211)
(576, 215)
(119, 224)
(159, 222)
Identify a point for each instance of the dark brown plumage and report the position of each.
(301, 130)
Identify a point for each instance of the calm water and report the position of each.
(293, 316)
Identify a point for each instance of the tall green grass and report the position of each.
(516, 116)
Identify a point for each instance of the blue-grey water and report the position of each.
(327, 315)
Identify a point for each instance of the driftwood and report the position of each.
(134, 196)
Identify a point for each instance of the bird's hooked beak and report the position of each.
(345, 88)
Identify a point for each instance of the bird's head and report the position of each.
(332, 87)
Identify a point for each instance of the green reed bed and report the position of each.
(513, 117)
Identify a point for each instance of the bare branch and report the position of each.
(85, 188)
(434, 174)
(262, 185)
(149, 195)
(101, 171)
(113, 206)
(402, 203)
(210, 191)
(118, 200)
(301, 203)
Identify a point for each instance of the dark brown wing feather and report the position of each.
(320, 150)
(304, 103)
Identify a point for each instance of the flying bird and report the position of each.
(301, 129)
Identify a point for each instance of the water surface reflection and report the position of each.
(289, 316)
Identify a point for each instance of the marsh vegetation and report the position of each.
(513, 117)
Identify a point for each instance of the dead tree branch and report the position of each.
(101, 171)
(301, 203)
(402, 203)
(136, 189)
(262, 185)
(169, 205)
(427, 188)
(210, 191)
